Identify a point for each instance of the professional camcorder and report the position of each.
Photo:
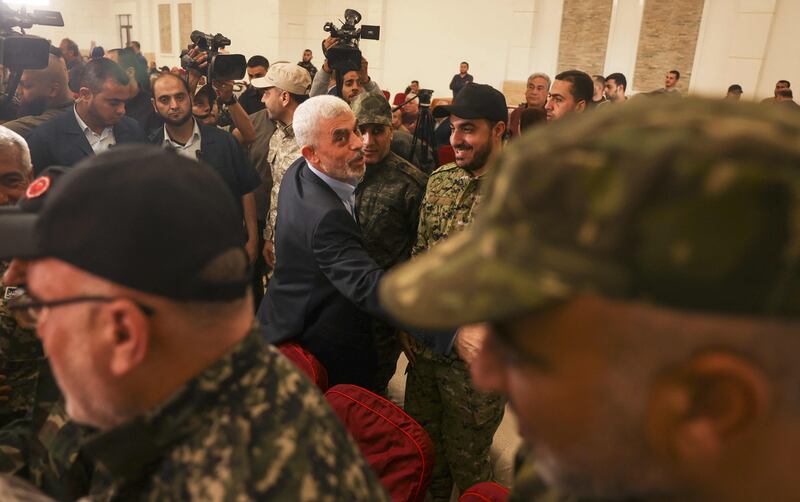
(345, 54)
(220, 66)
(20, 52)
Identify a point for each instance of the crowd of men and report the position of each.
(624, 277)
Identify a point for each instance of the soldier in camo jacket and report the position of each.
(638, 271)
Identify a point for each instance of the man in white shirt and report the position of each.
(96, 122)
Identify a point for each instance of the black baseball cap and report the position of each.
(476, 101)
(140, 216)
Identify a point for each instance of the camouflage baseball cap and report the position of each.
(372, 108)
(693, 205)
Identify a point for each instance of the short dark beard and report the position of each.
(479, 159)
(36, 106)
(177, 122)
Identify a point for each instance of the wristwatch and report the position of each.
(231, 101)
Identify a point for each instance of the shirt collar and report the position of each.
(195, 137)
(343, 190)
(83, 125)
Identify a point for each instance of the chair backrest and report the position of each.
(485, 492)
(307, 363)
(395, 445)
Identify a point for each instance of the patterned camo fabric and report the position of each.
(693, 204)
(250, 427)
(21, 355)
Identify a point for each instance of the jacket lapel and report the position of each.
(72, 129)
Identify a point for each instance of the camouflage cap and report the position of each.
(372, 108)
(693, 205)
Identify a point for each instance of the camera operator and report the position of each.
(355, 80)
(250, 99)
(42, 94)
(172, 100)
(223, 92)
(96, 122)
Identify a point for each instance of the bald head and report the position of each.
(42, 89)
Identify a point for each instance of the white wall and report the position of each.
(750, 42)
(623, 38)
(84, 21)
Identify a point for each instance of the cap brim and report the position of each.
(16, 227)
(262, 83)
(468, 279)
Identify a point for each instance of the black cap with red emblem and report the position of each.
(139, 216)
(17, 220)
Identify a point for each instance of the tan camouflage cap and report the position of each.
(287, 76)
(692, 204)
(372, 108)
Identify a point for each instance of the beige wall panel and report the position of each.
(667, 41)
(584, 35)
(165, 28)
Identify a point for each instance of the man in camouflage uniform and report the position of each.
(185, 400)
(285, 86)
(638, 271)
(20, 351)
(439, 394)
(387, 204)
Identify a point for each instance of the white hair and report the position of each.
(540, 75)
(9, 138)
(311, 113)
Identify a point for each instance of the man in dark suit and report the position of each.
(215, 147)
(96, 122)
(324, 285)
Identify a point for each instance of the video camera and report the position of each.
(20, 52)
(220, 66)
(345, 55)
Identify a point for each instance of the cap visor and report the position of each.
(470, 278)
(461, 111)
(262, 83)
(17, 230)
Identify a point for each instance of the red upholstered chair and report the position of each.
(446, 154)
(485, 492)
(307, 363)
(395, 445)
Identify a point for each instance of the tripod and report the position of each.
(423, 130)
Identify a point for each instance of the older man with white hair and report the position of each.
(322, 297)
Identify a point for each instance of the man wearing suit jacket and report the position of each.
(96, 122)
(324, 289)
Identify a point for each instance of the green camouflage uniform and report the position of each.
(439, 394)
(691, 205)
(251, 426)
(21, 356)
(283, 151)
(387, 202)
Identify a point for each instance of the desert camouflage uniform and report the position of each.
(250, 427)
(21, 356)
(387, 202)
(439, 394)
(283, 150)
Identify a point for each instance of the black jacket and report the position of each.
(324, 285)
(220, 150)
(60, 141)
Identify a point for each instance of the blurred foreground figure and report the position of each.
(139, 285)
(637, 271)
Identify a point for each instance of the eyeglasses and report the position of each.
(34, 308)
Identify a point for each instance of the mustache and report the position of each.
(462, 146)
(358, 158)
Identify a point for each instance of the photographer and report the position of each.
(250, 99)
(223, 91)
(354, 80)
(42, 94)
